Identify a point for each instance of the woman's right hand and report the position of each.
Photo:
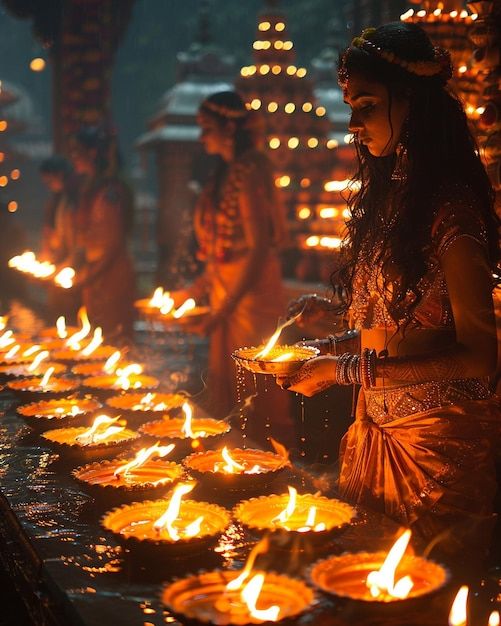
(309, 308)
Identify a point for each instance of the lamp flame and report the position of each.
(62, 333)
(95, 342)
(157, 299)
(167, 304)
(111, 362)
(494, 619)
(458, 614)
(123, 381)
(6, 339)
(274, 338)
(3, 321)
(74, 341)
(96, 433)
(45, 380)
(32, 350)
(283, 357)
(382, 581)
(187, 305)
(289, 509)
(64, 278)
(250, 595)
(29, 264)
(13, 351)
(171, 514)
(141, 457)
(37, 360)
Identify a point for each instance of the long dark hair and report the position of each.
(441, 153)
(227, 107)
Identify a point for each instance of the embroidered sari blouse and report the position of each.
(457, 216)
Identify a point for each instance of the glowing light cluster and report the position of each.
(438, 15)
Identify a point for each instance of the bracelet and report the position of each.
(348, 369)
(368, 368)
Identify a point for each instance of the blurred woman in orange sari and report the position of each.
(239, 227)
(104, 219)
(417, 270)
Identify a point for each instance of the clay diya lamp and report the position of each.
(375, 579)
(168, 527)
(47, 386)
(273, 359)
(125, 480)
(251, 596)
(98, 368)
(307, 518)
(160, 300)
(62, 411)
(186, 432)
(128, 378)
(106, 437)
(22, 353)
(92, 350)
(146, 405)
(37, 367)
(238, 469)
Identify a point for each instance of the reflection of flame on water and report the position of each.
(41, 356)
(74, 341)
(141, 457)
(274, 338)
(96, 433)
(250, 593)
(458, 613)
(186, 427)
(45, 379)
(187, 305)
(123, 381)
(64, 278)
(111, 362)
(382, 582)
(166, 521)
(94, 343)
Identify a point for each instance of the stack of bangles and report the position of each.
(357, 369)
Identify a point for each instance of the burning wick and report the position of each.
(95, 342)
(274, 338)
(382, 582)
(111, 362)
(3, 321)
(37, 360)
(289, 509)
(187, 305)
(74, 341)
(457, 616)
(7, 339)
(259, 548)
(186, 427)
(231, 465)
(171, 515)
(45, 380)
(250, 595)
(158, 298)
(494, 619)
(62, 333)
(146, 402)
(13, 351)
(122, 380)
(95, 433)
(65, 277)
(32, 350)
(141, 457)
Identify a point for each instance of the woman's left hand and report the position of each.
(315, 376)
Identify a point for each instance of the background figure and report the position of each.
(239, 225)
(58, 243)
(104, 220)
(418, 262)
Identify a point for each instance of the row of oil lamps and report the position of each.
(174, 524)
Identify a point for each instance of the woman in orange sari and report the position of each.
(239, 227)
(421, 248)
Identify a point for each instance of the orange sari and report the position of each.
(429, 467)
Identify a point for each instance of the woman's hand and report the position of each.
(314, 376)
(310, 308)
(322, 345)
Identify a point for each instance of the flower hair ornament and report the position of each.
(223, 111)
(440, 66)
